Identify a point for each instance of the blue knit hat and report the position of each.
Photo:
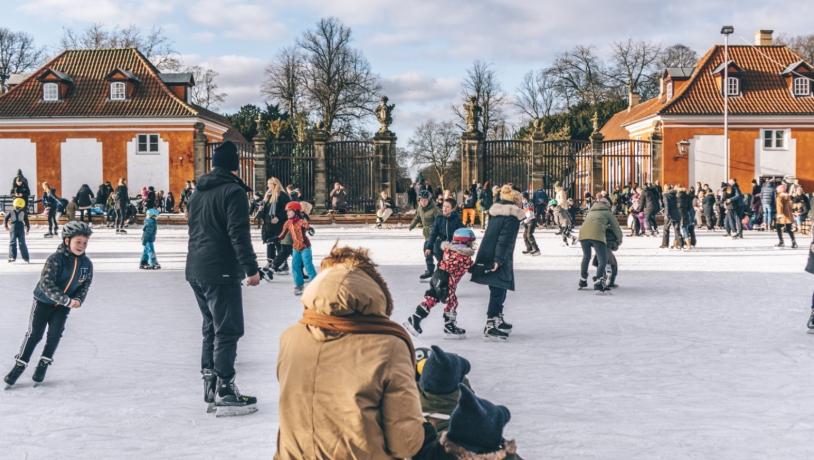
(476, 424)
(443, 372)
(226, 157)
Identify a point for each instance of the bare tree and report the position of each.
(435, 144)
(481, 82)
(284, 83)
(205, 92)
(154, 44)
(633, 65)
(578, 76)
(800, 44)
(536, 96)
(677, 55)
(18, 54)
(337, 78)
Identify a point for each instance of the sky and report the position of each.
(420, 49)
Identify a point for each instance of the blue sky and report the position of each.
(421, 49)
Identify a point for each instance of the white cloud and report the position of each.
(237, 19)
(108, 12)
(416, 87)
(240, 77)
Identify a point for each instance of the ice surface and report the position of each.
(698, 355)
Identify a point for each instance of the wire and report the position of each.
(784, 66)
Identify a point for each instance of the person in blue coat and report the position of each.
(148, 258)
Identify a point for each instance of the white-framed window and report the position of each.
(117, 91)
(802, 86)
(50, 92)
(774, 139)
(147, 144)
(669, 90)
(733, 86)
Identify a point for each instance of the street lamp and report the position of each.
(682, 148)
(726, 31)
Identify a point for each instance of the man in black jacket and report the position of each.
(443, 228)
(672, 218)
(219, 256)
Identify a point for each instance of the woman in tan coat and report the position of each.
(346, 372)
(784, 216)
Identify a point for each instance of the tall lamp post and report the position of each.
(726, 31)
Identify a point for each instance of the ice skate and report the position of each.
(600, 287)
(210, 386)
(492, 333)
(794, 245)
(583, 283)
(451, 329)
(502, 324)
(266, 274)
(230, 403)
(42, 368)
(811, 323)
(14, 373)
(48, 235)
(298, 290)
(426, 275)
(535, 253)
(780, 245)
(413, 323)
(144, 266)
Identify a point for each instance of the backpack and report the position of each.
(439, 285)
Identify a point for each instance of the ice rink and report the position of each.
(699, 355)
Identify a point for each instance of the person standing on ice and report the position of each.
(494, 264)
(17, 226)
(784, 216)
(63, 285)
(219, 257)
(425, 215)
(443, 228)
(810, 269)
(592, 236)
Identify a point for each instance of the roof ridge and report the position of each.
(700, 65)
(154, 73)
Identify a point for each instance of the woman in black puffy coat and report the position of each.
(274, 216)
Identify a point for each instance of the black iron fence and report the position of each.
(625, 162)
(293, 164)
(246, 154)
(353, 164)
(508, 161)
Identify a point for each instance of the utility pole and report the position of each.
(726, 31)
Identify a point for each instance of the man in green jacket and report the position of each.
(592, 236)
(425, 215)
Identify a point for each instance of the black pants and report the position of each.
(16, 236)
(281, 259)
(497, 296)
(430, 261)
(601, 250)
(784, 227)
(651, 222)
(528, 237)
(44, 315)
(221, 307)
(676, 226)
(272, 248)
(611, 263)
(82, 215)
(53, 228)
(709, 216)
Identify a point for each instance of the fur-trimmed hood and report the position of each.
(508, 452)
(505, 209)
(461, 249)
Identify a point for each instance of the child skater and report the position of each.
(299, 229)
(563, 220)
(148, 258)
(63, 285)
(17, 225)
(454, 264)
(530, 224)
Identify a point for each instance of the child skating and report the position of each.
(148, 258)
(16, 222)
(563, 220)
(299, 229)
(63, 285)
(455, 262)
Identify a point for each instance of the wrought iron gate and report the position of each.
(353, 164)
(293, 164)
(245, 153)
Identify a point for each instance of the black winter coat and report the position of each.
(122, 199)
(269, 231)
(64, 277)
(709, 203)
(768, 195)
(84, 197)
(220, 245)
(150, 202)
(101, 194)
(497, 245)
(810, 264)
(443, 228)
(649, 201)
(671, 206)
(21, 191)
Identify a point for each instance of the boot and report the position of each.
(502, 324)
(811, 323)
(413, 323)
(427, 275)
(230, 402)
(599, 285)
(780, 245)
(15, 373)
(42, 368)
(794, 244)
(451, 329)
(583, 283)
(210, 385)
(492, 332)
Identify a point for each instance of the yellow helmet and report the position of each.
(18, 203)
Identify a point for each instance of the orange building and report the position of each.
(89, 116)
(771, 117)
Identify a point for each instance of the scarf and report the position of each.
(358, 324)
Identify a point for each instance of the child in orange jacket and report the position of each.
(298, 228)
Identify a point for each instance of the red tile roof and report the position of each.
(614, 129)
(88, 95)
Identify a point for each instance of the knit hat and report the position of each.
(463, 235)
(507, 193)
(152, 212)
(443, 372)
(225, 157)
(476, 424)
(293, 206)
(552, 202)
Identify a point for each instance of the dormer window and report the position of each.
(118, 91)
(50, 92)
(802, 86)
(733, 86)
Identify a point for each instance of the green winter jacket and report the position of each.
(426, 217)
(598, 220)
(438, 408)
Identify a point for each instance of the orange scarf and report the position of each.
(358, 324)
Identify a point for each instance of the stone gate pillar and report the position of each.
(199, 150)
(385, 148)
(260, 170)
(656, 158)
(597, 178)
(320, 138)
(537, 151)
(472, 167)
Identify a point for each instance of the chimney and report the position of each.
(763, 37)
(633, 99)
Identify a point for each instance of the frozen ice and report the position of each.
(700, 354)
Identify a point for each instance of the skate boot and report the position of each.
(283, 270)
(451, 329)
(502, 324)
(583, 283)
(42, 368)
(600, 285)
(144, 266)
(794, 244)
(535, 252)
(527, 251)
(210, 386)
(427, 275)
(229, 402)
(492, 332)
(779, 245)
(15, 373)
(298, 290)
(811, 323)
(413, 323)
(155, 267)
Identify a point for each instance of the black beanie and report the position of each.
(443, 372)
(225, 157)
(476, 424)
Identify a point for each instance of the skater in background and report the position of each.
(301, 258)
(468, 209)
(768, 196)
(169, 203)
(784, 217)
(486, 199)
(148, 232)
(443, 228)
(592, 237)
(384, 208)
(63, 285)
(219, 257)
(562, 218)
(457, 258)
(800, 206)
(122, 204)
(672, 219)
(425, 214)
(810, 269)
(494, 264)
(84, 200)
(20, 188)
(274, 217)
(17, 226)
(529, 225)
(50, 203)
(708, 205)
(364, 365)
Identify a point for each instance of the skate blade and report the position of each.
(488, 338)
(810, 331)
(234, 411)
(454, 336)
(410, 329)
